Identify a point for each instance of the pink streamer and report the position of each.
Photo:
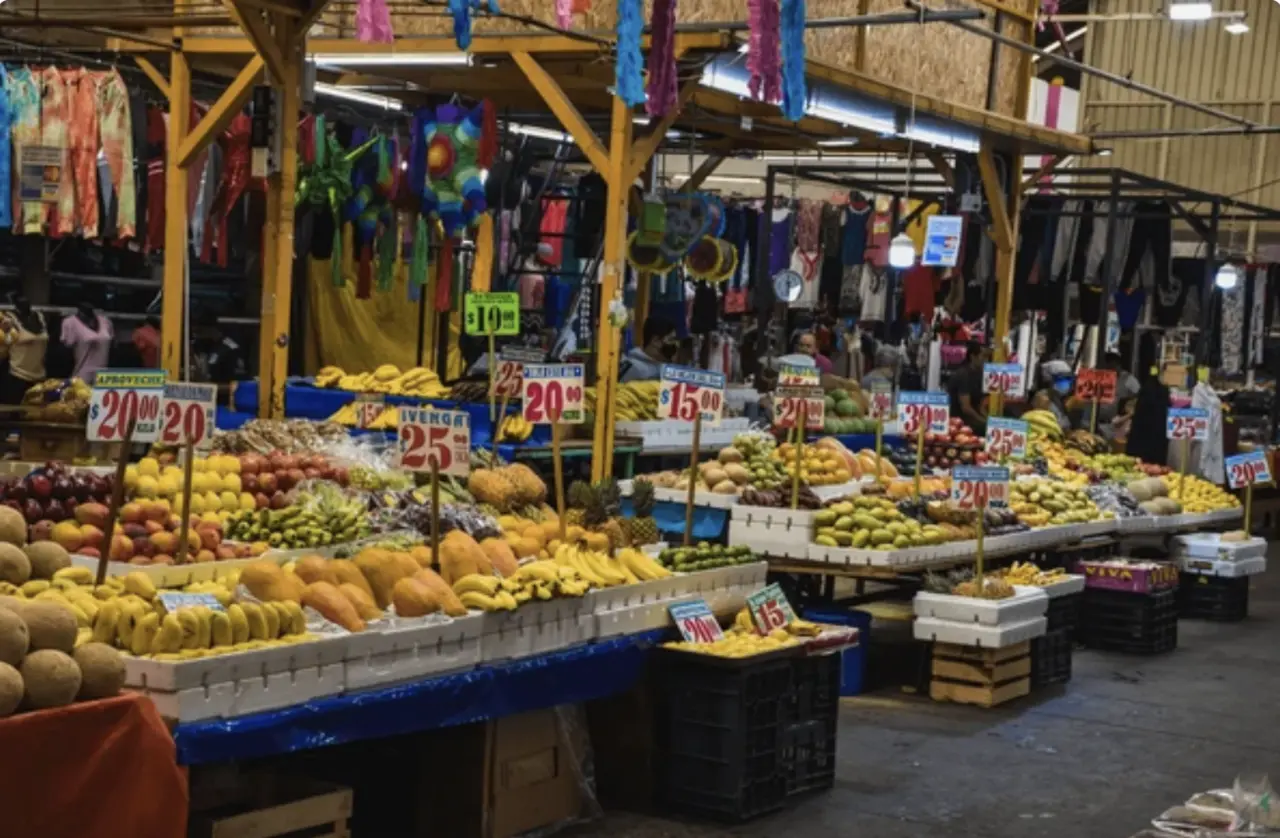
(661, 89)
(373, 22)
(564, 13)
(764, 50)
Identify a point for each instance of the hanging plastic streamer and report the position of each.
(418, 261)
(794, 92)
(763, 57)
(444, 275)
(564, 13)
(628, 79)
(662, 59)
(363, 210)
(385, 187)
(487, 151)
(581, 7)
(373, 22)
(461, 11)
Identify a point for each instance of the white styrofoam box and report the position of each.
(975, 634)
(700, 498)
(535, 628)
(1223, 567)
(413, 648)
(1209, 545)
(1071, 583)
(228, 699)
(170, 676)
(775, 532)
(173, 576)
(838, 490)
(1144, 524)
(1026, 602)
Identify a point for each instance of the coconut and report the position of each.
(51, 679)
(101, 670)
(50, 625)
(11, 689)
(14, 639)
(47, 558)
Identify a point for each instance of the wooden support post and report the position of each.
(1003, 201)
(220, 114)
(643, 150)
(282, 279)
(564, 110)
(266, 330)
(157, 78)
(942, 167)
(173, 302)
(705, 169)
(607, 339)
(265, 43)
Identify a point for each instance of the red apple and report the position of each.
(261, 501)
(267, 483)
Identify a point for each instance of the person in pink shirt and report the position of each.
(807, 344)
(88, 335)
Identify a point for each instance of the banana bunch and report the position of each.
(1026, 573)
(535, 581)
(637, 401)
(388, 420)
(481, 592)
(514, 429)
(328, 518)
(329, 377)
(605, 571)
(1042, 423)
(418, 381)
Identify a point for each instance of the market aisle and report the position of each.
(1127, 738)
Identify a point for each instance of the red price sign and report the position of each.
(508, 378)
(1186, 423)
(881, 407)
(427, 436)
(368, 409)
(787, 402)
(696, 622)
(123, 396)
(769, 608)
(188, 414)
(1002, 378)
(1006, 437)
(1096, 384)
(978, 487)
(1248, 469)
(687, 393)
(553, 393)
(928, 409)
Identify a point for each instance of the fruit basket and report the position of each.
(1128, 575)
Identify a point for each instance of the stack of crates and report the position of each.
(1219, 598)
(1129, 607)
(1051, 652)
(737, 737)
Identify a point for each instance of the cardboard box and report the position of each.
(532, 774)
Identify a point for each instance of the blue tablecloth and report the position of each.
(709, 524)
(857, 442)
(588, 672)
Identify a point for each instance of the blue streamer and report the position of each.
(628, 78)
(461, 11)
(794, 90)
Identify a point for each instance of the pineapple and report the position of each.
(600, 516)
(576, 501)
(643, 529)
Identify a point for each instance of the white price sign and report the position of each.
(368, 408)
(1248, 469)
(979, 487)
(1185, 423)
(685, 393)
(428, 435)
(123, 396)
(881, 406)
(508, 378)
(794, 375)
(927, 408)
(553, 393)
(1006, 437)
(188, 413)
(1005, 379)
(696, 622)
(786, 407)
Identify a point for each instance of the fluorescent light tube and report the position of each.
(1237, 27)
(336, 92)
(393, 59)
(1190, 11)
(539, 132)
(838, 143)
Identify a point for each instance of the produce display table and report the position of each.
(599, 669)
(98, 769)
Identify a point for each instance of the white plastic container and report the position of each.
(1026, 603)
(976, 634)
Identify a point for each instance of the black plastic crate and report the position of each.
(1121, 621)
(720, 733)
(809, 755)
(1217, 598)
(1051, 658)
(816, 688)
(1063, 612)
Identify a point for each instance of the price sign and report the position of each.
(696, 622)
(1248, 469)
(443, 436)
(171, 601)
(1005, 379)
(368, 408)
(491, 314)
(1006, 437)
(929, 408)
(795, 375)
(1185, 423)
(769, 608)
(508, 378)
(188, 413)
(881, 399)
(121, 396)
(685, 393)
(552, 393)
(786, 410)
(979, 487)
(1096, 384)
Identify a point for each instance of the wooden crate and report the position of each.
(985, 677)
(280, 808)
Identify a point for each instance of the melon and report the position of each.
(47, 558)
(14, 639)
(101, 671)
(50, 678)
(15, 567)
(11, 689)
(13, 527)
(49, 626)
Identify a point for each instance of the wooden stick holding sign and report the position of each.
(435, 510)
(558, 468)
(500, 421)
(801, 432)
(184, 528)
(693, 480)
(117, 500)
(493, 372)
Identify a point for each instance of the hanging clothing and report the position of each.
(157, 134)
(808, 224)
(877, 250)
(1150, 237)
(805, 263)
(551, 229)
(874, 291)
(919, 287)
(23, 90)
(91, 346)
(55, 119)
(81, 188)
(1208, 459)
(1147, 432)
(1170, 299)
(1231, 334)
(853, 240)
(235, 178)
(6, 153)
(1033, 285)
(779, 241)
(1071, 241)
(590, 214)
(27, 350)
(1096, 273)
(1257, 316)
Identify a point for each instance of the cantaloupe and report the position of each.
(47, 558)
(13, 527)
(49, 626)
(50, 679)
(14, 639)
(15, 567)
(101, 671)
(11, 689)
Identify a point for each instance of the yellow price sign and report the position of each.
(495, 313)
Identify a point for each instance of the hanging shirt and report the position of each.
(918, 290)
(873, 291)
(853, 241)
(779, 241)
(146, 339)
(27, 350)
(91, 347)
(555, 213)
(806, 264)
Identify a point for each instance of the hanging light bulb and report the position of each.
(1227, 277)
(902, 251)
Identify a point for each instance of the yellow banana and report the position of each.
(272, 620)
(140, 584)
(477, 600)
(125, 624)
(204, 631)
(477, 583)
(75, 574)
(104, 627)
(239, 624)
(257, 622)
(220, 629)
(144, 633)
(169, 639)
(190, 624)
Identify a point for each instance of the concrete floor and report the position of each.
(1125, 739)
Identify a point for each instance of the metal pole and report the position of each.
(1155, 134)
(1094, 71)
(764, 282)
(1103, 316)
(886, 19)
(993, 78)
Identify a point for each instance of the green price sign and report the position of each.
(769, 608)
(492, 314)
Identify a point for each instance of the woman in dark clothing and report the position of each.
(1147, 431)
